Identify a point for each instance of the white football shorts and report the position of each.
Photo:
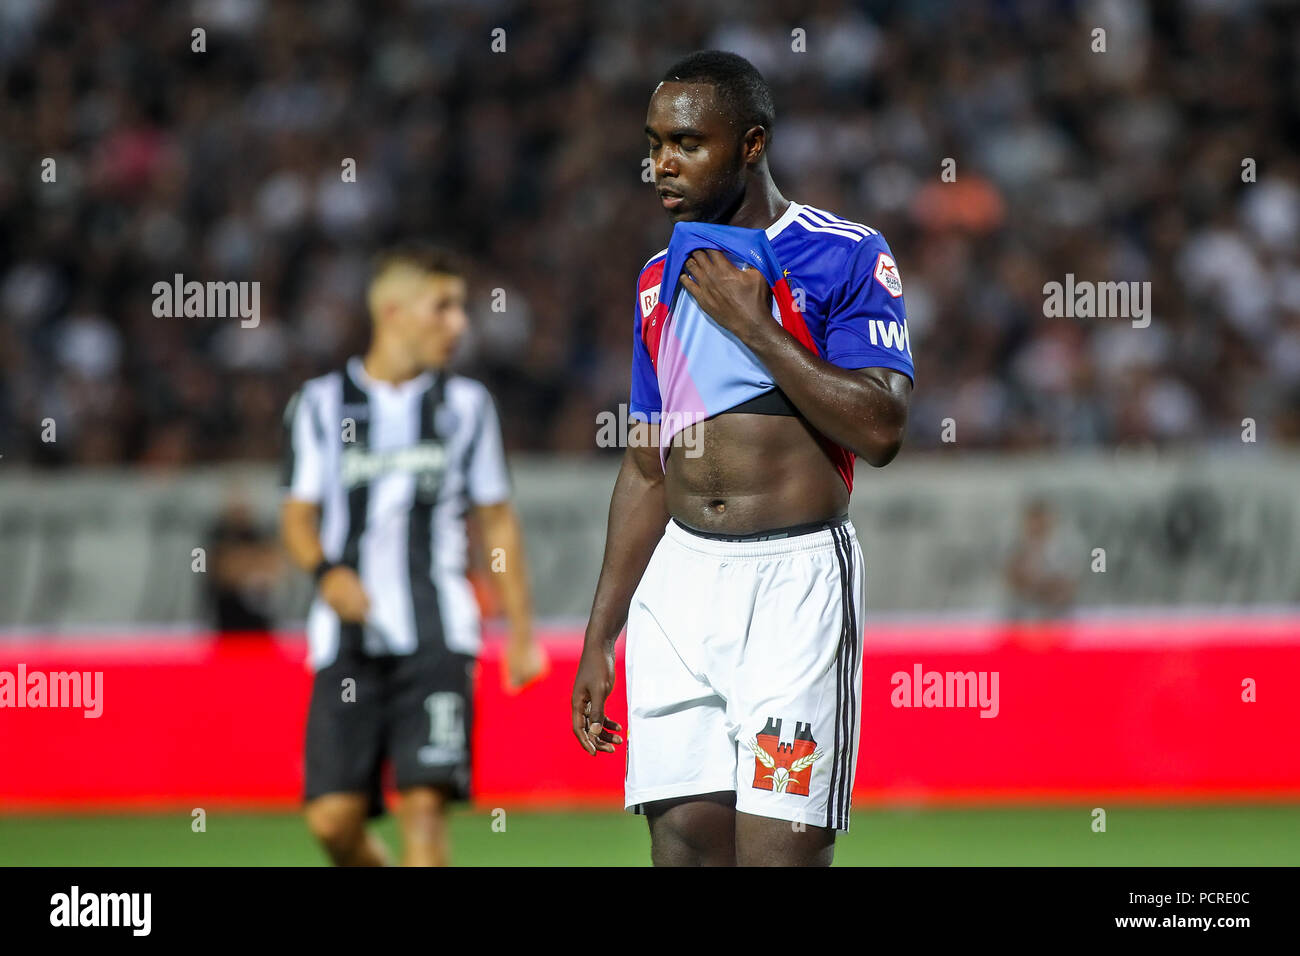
(744, 672)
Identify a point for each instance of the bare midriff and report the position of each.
(738, 473)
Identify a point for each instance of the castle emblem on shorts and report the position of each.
(788, 765)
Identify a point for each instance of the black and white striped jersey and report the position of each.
(395, 470)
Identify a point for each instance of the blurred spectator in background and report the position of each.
(1042, 574)
(232, 164)
(246, 566)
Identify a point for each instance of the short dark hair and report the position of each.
(740, 86)
(417, 254)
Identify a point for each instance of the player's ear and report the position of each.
(753, 144)
(387, 311)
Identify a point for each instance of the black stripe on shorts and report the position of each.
(838, 768)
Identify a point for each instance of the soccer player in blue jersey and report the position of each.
(782, 353)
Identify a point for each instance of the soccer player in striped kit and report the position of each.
(385, 459)
(771, 335)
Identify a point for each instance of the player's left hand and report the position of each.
(734, 298)
(525, 662)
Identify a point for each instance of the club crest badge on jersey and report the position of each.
(784, 766)
(887, 275)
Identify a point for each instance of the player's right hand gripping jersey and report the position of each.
(687, 368)
(702, 368)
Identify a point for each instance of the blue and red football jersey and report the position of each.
(835, 288)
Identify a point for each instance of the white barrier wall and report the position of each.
(96, 549)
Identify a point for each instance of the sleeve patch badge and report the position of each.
(649, 299)
(887, 275)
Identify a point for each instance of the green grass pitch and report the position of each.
(1135, 836)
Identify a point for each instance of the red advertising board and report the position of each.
(1141, 708)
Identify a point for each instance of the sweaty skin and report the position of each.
(756, 472)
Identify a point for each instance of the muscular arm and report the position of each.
(865, 410)
(637, 515)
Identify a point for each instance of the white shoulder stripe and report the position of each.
(830, 219)
(654, 257)
(812, 226)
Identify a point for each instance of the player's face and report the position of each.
(696, 153)
(434, 318)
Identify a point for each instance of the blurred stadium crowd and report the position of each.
(225, 165)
